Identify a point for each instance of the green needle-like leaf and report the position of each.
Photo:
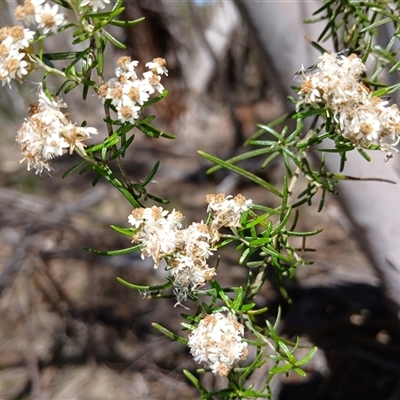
(242, 172)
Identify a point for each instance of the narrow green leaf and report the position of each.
(376, 24)
(81, 38)
(113, 40)
(113, 252)
(269, 159)
(156, 99)
(100, 46)
(157, 199)
(244, 256)
(196, 383)
(280, 370)
(151, 175)
(300, 372)
(96, 180)
(126, 24)
(107, 16)
(303, 234)
(152, 131)
(124, 231)
(237, 303)
(260, 242)
(287, 352)
(283, 222)
(145, 288)
(170, 334)
(364, 155)
(62, 56)
(121, 151)
(257, 221)
(72, 169)
(242, 172)
(240, 157)
(308, 357)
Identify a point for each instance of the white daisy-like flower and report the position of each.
(128, 113)
(158, 66)
(152, 82)
(95, 5)
(54, 145)
(27, 12)
(217, 343)
(126, 68)
(49, 19)
(16, 37)
(135, 93)
(13, 67)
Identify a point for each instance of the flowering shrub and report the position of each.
(223, 326)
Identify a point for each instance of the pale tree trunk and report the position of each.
(372, 207)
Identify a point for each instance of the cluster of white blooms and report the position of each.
(156, 230)
(362, 118)
(127, 92)
(41, 14)
(15, 40)
(217, 342)
(13, 60)
(48, 133)
(185, 250)
(227, 211)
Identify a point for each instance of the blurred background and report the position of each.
(69, 330)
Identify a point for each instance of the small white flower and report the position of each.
(27, 13)
(134, 93)
(49, 18)
(158, 66)
(54, 146)
(13, 67)
(152, 82)
(217, 343)
(128, 113)
(16, 37)
(95, 5)
(126, 68)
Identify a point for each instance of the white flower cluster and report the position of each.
(41, 14)
(217, 342)
(48, 133)
(13, 60)
(127, 92)
(227, 211)
(186, 250)
(15, 40)
(362, 118)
